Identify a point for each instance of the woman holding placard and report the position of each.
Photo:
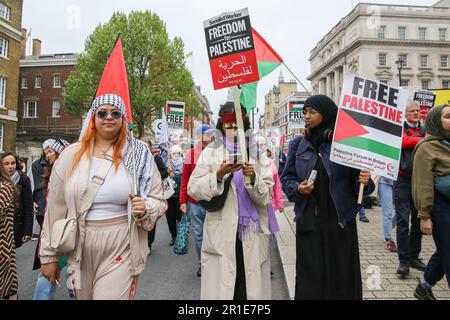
(327, 264)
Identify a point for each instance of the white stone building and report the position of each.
(372, 37)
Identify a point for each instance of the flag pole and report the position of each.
(240, 123)
(296, 78)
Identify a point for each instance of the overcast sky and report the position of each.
(292, 27)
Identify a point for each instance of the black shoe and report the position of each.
(172, 242)
(418, 264)
(423, 294)
(363, 219)
(199, 272)
(403, 269)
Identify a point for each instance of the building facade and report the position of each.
(271, 100)
(10, 54)
(281, 120)
(372, 38)
(40, 111)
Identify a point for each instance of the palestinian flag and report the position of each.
(364, 131)
(114, 79)
(295, 106)
(175, 109)
(268, 60)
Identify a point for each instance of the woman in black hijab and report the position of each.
(327, 265)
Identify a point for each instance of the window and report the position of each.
(56, 109)
(442, 34)
(402, 33)
(381, 32)
(444, 61)
(2, 92)
(1, 136)
(404, 59)
(422, 33)
(37, 82)
(57, 81)
(4, 48)
(384, 82)
(30, 109)
(382, 59)
(425, 84)
(404, 83)
(423, 61)
(24, 83)
(445, 84)
(5, 11)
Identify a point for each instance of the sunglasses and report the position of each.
(103, 114)
(229, 125)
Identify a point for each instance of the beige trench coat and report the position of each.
(220, 228)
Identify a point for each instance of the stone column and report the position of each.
(337, 89)
(328, 92)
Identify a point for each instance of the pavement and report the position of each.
(378, 265)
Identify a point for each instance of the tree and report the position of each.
(155, 66)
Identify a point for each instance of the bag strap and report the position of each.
(96, 182)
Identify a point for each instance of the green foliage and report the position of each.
(155, 66)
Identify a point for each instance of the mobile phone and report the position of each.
(312, 176)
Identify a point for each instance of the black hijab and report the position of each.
(328, 110)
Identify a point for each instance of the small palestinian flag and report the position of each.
(176, 109)
(363, 131)
(295, 106)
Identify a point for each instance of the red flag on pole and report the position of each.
(115, 80)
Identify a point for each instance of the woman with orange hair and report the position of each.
(93, 181)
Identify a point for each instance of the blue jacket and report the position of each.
(344, 181)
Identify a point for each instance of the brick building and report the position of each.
(10, 54)
(40, 110)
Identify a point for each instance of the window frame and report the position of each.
(445, 34)
(7, 12)
(424, 34)
(403, 28)
(5, 43)
(446, 61)
(405, 62)
(24, 82)
(53, 109)
(445, 86)
(427, 87)
(420, 60)
(379, 34)
(60, 81)
(385, 59)
(3, 93)
(26, 109)
(36, 82)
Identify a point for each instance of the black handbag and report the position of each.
(217, 202)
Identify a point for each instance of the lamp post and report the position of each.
(399, 64)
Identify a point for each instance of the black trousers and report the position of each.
(409, 240)
(173, 215)
(240, 288)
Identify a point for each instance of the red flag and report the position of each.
(115, 80)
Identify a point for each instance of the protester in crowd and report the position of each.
(327, 265)
(385, 191)
(277, 194)
(204, 135)
(113, 224)
(235, 249)
(281, 161)
(409, 240)
(36, 173)
(174, 168)
(8, 271)
(23, 217)
(431, 193)
(45, 290)
(164, 174)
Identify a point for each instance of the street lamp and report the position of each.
(399, 64)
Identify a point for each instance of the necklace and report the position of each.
(102, 151)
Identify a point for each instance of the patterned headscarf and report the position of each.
(143, 156)
(58, 145)
(47, 143)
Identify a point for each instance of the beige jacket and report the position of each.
(218, 257)
(66, 194)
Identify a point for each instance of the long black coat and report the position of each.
(23, 217)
